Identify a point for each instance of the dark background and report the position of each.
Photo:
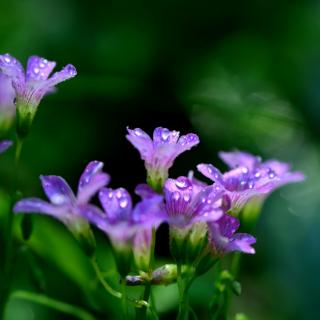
(241, 74)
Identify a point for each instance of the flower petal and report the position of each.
(57, 190)
(35, 205)
(240, 159)
(67, 72)
(211, 172)
(241, 242)
(116, 203)
(91, 181)
(186, 142)
(164, 136)
(12, 68)
(142, 142)
(4, 145)
(39, 69)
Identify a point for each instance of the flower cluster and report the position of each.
(200, 215)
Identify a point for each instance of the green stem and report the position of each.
(124, 299)
(9, 254)
(52, 303)
(142, 313)
(104, 283)
(183, 295)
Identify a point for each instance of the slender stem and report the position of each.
(104, 283)
(183, 295)
(124, 299)
(9, 254)
(142, 313)
(52, 303)
(19, 144)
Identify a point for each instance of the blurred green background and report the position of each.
(241, 74)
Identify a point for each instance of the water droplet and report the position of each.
(245, 170)
(71, 70)
(176, 196)
(165, 134)
(186, 197)
(123, 203)
(36, 70)
(251, 185)
(257, 174)
(110, 195)
(271, 174)
(182, 183)
(138, 132)
(119, 194)
(7, 59)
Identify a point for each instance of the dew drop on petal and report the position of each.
(186, 197)
(123, 203)
(176, 196)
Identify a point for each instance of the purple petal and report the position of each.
(187, 141)
(149, 212)
(145, 191)
(4, 145)
(91, 181)
(241, 242)
(116, 203)
(57, 190)
(35, 205)
(12, 68)
(240, 159)
(7, 94)
(142, 142)
(68, 72)
(164, 136)
(228, 225)
(94, 215)
(39, 69)
(211, 172)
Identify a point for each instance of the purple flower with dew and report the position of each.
(31, 85)
(4, 145)
(64, 205)
(223, 239)
(249, 177)
(160, 152)
(120, 220)
(187, 202)
(7, 107)
(129, 228)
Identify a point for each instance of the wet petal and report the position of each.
(91, 181)
(164, 136)
(116, 203)
(12, 68)
(39, 69)
(241, 242)
(35, 205)
(67, 72)
(240, 159)
(186, 142)
(211, 172)
(4, 145)
(142, 142)
(57, 190)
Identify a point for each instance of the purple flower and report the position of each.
(129, 228)
(120, 220)
(32, 85)
(187, 203)
(7, 107)
(64, 205)
(223, 238)
(160, 152)
(249, 177)
(4, 145)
